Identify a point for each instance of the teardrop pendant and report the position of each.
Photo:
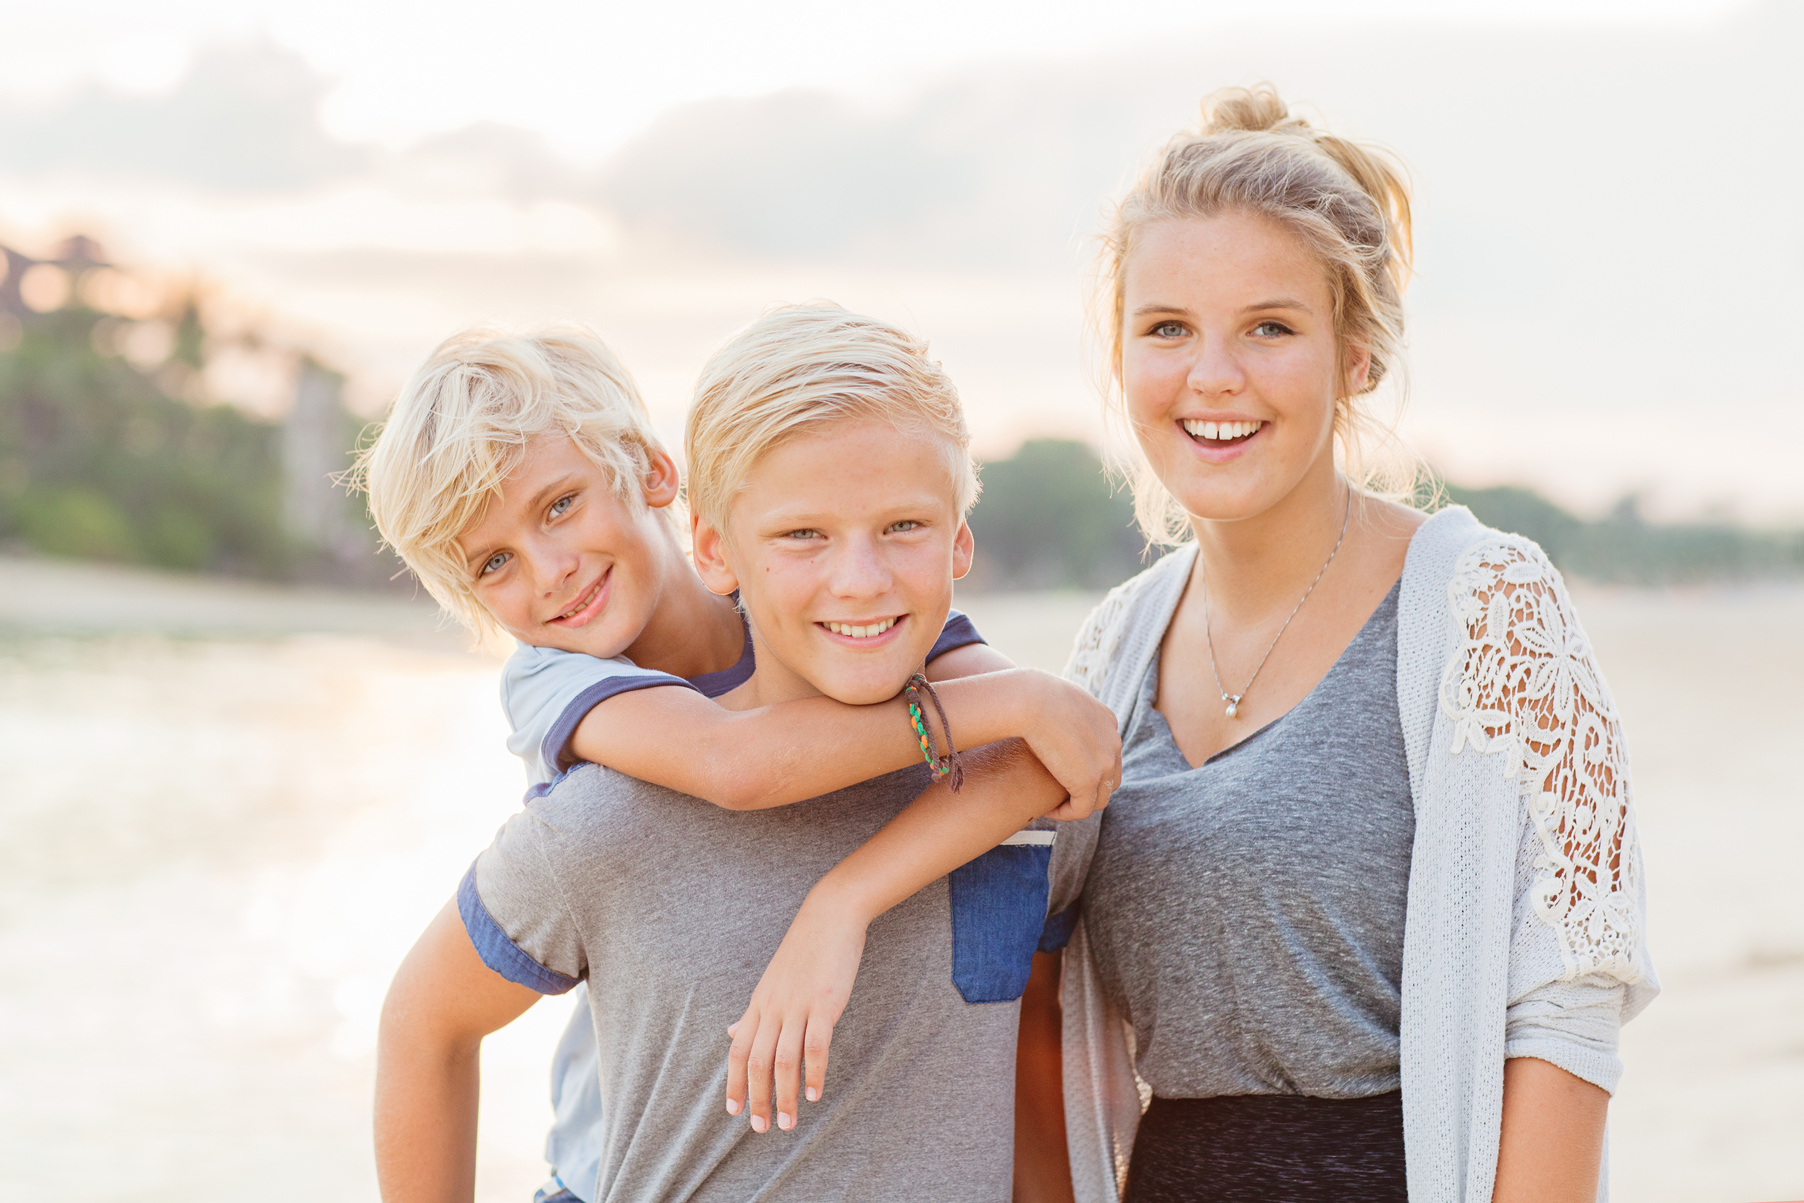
(1233, 705)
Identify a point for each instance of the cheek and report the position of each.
(1146, 383)
(1305, 390)
(507, 603)
(782, 583)
(922, 567)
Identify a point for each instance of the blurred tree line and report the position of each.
(1048, 517)
(1624, 548)
(113, 445)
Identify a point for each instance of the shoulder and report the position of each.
(1496, 585)
(542, 681)
(1457, 569)
(589, 794)
(529, 664)
(1122, 609)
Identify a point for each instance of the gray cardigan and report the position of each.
(1526, 913)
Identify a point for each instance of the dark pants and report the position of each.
(1269, 1149)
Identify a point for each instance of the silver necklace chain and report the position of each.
(1233, 699)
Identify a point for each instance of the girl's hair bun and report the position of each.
(1257, 109)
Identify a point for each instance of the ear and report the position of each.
(659, 483)
(1358, 370)
(707, 544)
(964, 545)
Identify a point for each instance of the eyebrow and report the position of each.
(1276, 303)
(1279, 303)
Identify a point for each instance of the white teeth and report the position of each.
(1219, 431)
(586, 599)
(856, 632)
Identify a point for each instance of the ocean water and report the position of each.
(225, 815)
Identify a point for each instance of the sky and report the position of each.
(1606, 298)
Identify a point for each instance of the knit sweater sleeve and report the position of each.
(1523, 683)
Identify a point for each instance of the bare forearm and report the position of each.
(1005, 788)
(782, 754)
(426, 1105)
(1042, 1160)
(443, 1001)
(1551, 1146)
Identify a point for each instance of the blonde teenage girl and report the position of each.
(1367, 911)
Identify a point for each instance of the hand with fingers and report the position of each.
(1078, 739)
(788, 1025)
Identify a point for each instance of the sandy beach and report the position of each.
(228, 809)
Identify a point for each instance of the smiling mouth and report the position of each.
(586, 600)
(1221, 434)
(857, 631)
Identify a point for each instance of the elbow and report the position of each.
(737, 791)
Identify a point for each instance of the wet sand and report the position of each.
(227, 810)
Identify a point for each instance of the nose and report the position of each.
(549, 566)
(1216, 370)
(860, 570)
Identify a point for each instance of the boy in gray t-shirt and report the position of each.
(669, 908)
(829, 481)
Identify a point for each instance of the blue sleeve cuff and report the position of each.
(958, 632)
(1057, 932)
(556, 748)
(497, 950)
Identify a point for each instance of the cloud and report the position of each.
(243, 119)
(969, 173)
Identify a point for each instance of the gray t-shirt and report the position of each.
(670, 908)
(1248, 913)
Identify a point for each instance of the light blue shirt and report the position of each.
(546, 693)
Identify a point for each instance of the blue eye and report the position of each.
(907, 524)
(562, 504)
(1271, 329)
(494, 563)
(1169, 330)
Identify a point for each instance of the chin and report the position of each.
(863, 688)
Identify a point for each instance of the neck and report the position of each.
(691, 631)
(771, 682)
(1257, 564)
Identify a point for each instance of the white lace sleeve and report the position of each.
(1524, 685)
(1094, 650)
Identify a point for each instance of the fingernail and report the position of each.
(785, 1120)
(814, 1094)
(734, 1106)
(732, 1029)
(759, 1123)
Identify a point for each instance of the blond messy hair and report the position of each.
(803, 367)
(462, 424)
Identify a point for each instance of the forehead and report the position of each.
(1231, 256)
(851, 466)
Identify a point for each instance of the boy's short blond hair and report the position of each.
(461, 426)
(802, 367)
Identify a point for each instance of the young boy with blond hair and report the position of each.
(520, 479)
